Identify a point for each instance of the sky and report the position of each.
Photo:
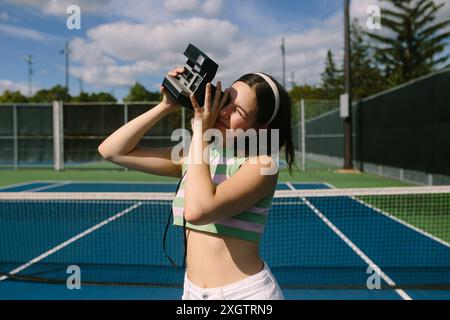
(122, 42)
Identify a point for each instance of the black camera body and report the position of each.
(198, 71)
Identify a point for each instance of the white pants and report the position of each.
(260, 286)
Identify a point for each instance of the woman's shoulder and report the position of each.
(262, 161)
(264, 165)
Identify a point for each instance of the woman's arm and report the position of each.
(121, 146)
(206, 203)
(238, 193)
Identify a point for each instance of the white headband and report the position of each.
(275, 93)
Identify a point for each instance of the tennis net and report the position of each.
(335, 238)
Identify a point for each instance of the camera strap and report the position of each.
(184, 231)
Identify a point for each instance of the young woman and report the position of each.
(223, 202)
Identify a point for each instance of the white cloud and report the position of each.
(444, 12)
(118, 53)
(13, 86)
(27, 33)
(212, 7)
(58, 7)
(140, 10)
(4, 16)
(305, 53)
(207, 7)
(177, 5)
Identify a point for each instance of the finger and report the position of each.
(207, 105)
(175, 72)
(195, 103)
(217, 96)
(224, 100)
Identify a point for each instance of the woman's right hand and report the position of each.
(167, 100)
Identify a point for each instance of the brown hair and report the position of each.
(266, 105)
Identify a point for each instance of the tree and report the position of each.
(332, 79)
(139, 93)
(94, 97)
(103, 97)
(58, 92)
(366, 76)
(307, 91)
(415, 44)
(12, 97)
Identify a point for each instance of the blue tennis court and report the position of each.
(329, 247)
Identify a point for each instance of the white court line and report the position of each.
(406, 224)
(19, 184)
(329, 185)
(71, 240)
(308, 182)
(396, 219)
(358, 251)
(47, 187)
(290, 185)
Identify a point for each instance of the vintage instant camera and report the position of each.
(198, 71)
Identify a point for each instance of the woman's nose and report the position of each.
(226, 110)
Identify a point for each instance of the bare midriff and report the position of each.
(216, 260)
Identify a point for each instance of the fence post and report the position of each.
(58, 136)
(15, 139)
(302, 139)
(125, 113)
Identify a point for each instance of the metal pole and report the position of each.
(66, 51)
(348, 155)
(284, 63)
(303, 133)
(29, 60)
(81, 85)
(15, 139)
(67, 66)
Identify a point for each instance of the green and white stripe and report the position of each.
(247, 225)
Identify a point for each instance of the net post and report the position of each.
(15, 139)
(58, 136)
(125, 121)
(302, 133)
(125, 113)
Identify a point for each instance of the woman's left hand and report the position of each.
(208, 114)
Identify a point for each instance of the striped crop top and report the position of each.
(247, 225)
